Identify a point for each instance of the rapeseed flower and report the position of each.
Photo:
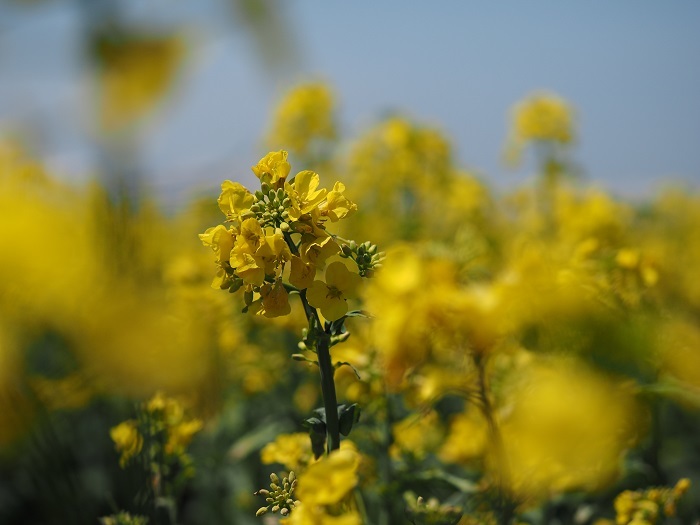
(331, 296)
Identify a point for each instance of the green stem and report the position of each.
(325, 364)
(330, 402)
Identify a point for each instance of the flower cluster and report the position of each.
(647, 506)
(162, 426)
(283, 226)
(324, 488)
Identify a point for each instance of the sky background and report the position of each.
(631, 68)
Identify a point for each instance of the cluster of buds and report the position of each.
(645, 507)
(366, 255)
(271, 207)
(280, 497)
(420, 512)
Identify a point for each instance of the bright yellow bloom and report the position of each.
(331, 296)
(234, 200)
(337, 205)
(249, 267)
(308, 515)
(328, 481)
(273, 250)
(304, 194)
(275, 300)
(316, 250)
(220, 240)
(127, 440)
(302, 274)
(272, 168)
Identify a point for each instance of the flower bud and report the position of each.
(261, 512)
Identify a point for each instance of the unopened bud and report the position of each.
(284, 226)
(261, 512)
(284, 512)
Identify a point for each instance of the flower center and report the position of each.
(333, 293)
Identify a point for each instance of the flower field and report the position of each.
(369, 333)
(522, 357)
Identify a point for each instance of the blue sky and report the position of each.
(631, 68)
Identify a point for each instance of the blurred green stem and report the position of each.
(505, 507)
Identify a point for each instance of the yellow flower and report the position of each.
(272, 168)
(544, 116)
(273, 250)
(308, 515)
(234, 200)
(302, 274)
(303, 193)
(291, 450)
(305, 114)
(331, 296)
(180, 435)
(329, 480)
(275, 300)
(220, 240)
(127, 440)
(316, 250)
(248, 266)
(337, 205)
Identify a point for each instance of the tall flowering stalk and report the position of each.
(273, 243)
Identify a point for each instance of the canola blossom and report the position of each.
(518, 356)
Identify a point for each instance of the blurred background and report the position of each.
(531, 168)
(629, 68)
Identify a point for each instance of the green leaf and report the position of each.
(318, 443)
(358, 313)
(347, 417)
(345, 363)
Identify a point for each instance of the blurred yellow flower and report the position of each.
(329, 480)
(304, 115)
(291, 450)
(127, 440)
(540, 117)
